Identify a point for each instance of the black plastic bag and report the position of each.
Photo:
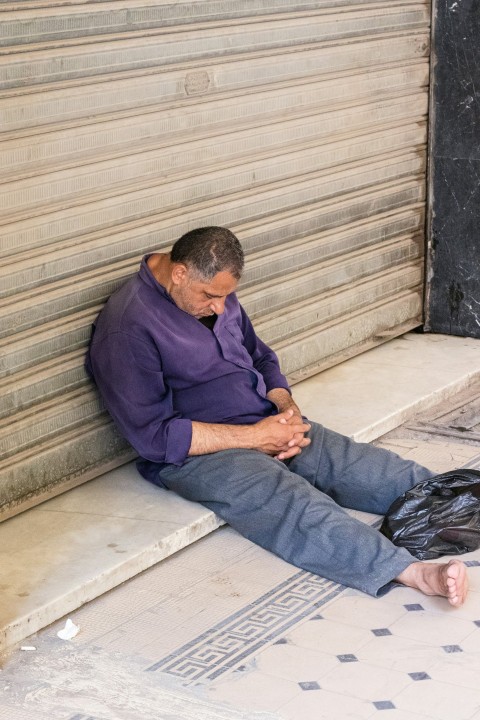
(439, 516)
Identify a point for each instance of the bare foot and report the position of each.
(449, 580)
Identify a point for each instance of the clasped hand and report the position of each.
(282, 435)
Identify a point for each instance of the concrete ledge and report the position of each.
(61, 554)
(77, 546)
(371, 394)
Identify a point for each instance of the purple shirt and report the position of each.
(158, 368)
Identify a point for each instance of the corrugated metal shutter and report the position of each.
(301, 126)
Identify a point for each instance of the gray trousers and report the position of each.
(295, 509)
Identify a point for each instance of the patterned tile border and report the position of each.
(230, 642)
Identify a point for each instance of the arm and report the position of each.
(276, 435)
(128, 373)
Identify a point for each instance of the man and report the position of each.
(203, 401)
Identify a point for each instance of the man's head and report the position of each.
(206, 266)
(207, 251)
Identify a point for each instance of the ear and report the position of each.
(179, 273)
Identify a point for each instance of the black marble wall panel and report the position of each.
(453, 259)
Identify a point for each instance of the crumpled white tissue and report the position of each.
(69, 631)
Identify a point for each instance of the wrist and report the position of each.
(282, 399)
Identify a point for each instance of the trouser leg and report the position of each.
(356, 475)
(284, 513)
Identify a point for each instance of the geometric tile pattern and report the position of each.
(347, 658)
(309, 685)
(235, 638)
(419, 676)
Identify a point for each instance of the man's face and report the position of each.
(203, 298)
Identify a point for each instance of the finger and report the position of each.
(296, 419)
(301, 428)
(287, 454)
(300, 437)
(304, 442)
(287, 414)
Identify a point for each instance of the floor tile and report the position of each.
(439, 700)
(363, 611)
(434, 629)
(115, 608)
(365, 681)
(474, 573)
(383, 705)
(459, 669)
(419, 676)
(309, 685)
(401, 595)
(471, 644)
(325, 705)
(254, 691)
(294, 663)
(470, 610)
(329, 637)
(399, 653)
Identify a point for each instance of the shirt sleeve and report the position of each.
(128, 373)
(264, 359)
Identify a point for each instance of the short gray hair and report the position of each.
(207, 251)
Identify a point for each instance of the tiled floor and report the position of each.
(226, 624)
(360, 656)
(224, 629)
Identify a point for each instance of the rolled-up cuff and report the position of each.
(179, 440)
(276, 380)
(398, 564)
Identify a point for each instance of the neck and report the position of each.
(161, 268)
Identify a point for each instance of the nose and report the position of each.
(218, 306)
